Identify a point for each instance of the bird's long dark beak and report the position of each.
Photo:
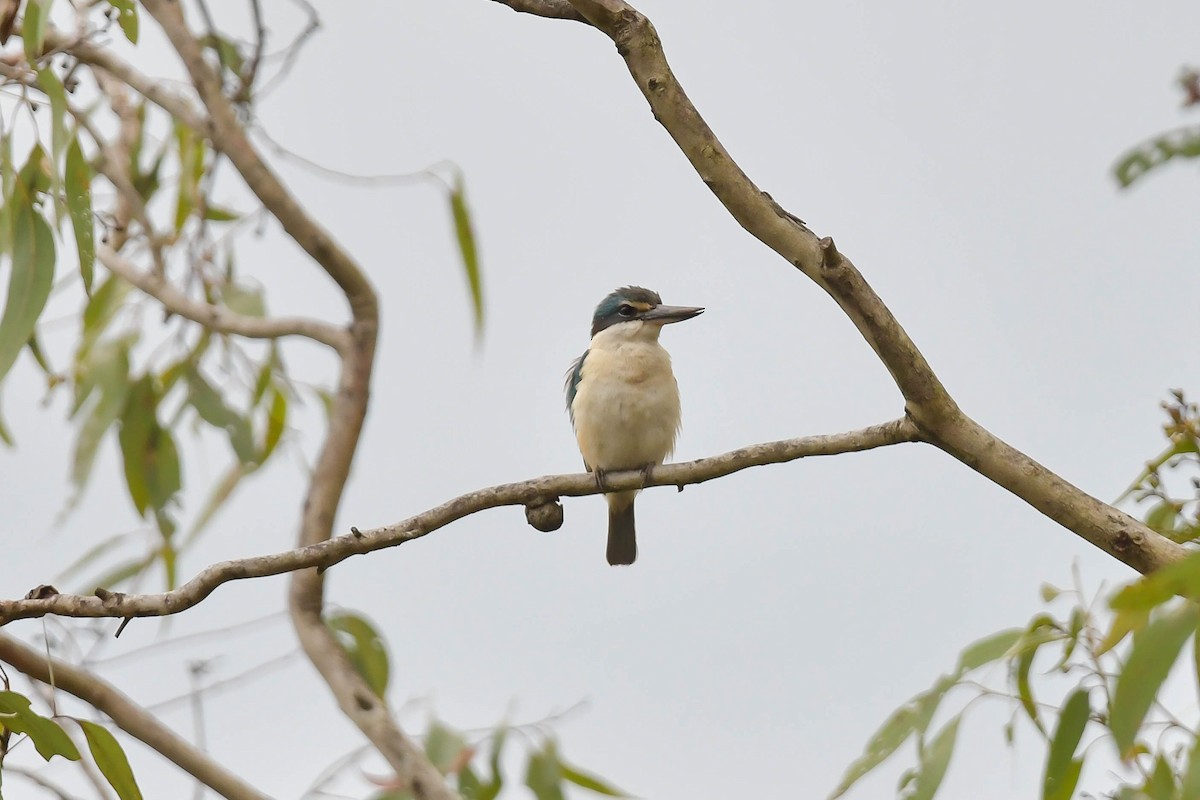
(665, 315)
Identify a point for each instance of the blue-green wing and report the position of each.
(572, 384)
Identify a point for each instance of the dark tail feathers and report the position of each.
(622, 536)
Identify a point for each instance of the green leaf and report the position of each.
(212, 409)
(246, 300)
(108, 371)
(1155, 649)
(221, 492)
(364, 647)
(584, 780)
(1180, 578)
(1062, 768)
(218, 214)
(53, 87)
(934, 761)
(276, 423)
(894, 732)
(152, 468)
(29, 283)
(127, 18)
(1162, 517)
(1161, 784)
(544, 773)
(1191, 776)
(33, 27)
(191, 168)
(491, 789)
(110, 758)
(124, 571)
(444, 747)
(47, 736)
(92, 554)
(78, 180)
(1025, 689)
(5, 434)
(1155, 152)
(466, 247)
(988, 649)
(101, 308)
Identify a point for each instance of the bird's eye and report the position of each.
(626, 310)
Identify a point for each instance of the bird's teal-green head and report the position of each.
(633, 303)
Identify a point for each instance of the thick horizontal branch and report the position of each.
(218, 318)
(128, 716)
(531, 493)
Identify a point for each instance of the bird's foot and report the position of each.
(646, 470)
(601, 476)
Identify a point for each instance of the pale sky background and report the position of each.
(959, 153)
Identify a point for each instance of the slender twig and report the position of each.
(533, 493)
(218, 318)
(129, 717)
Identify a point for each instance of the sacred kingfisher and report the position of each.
(623, 400)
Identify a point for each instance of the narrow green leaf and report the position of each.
(1152, 154)
(93, 554)
(29, 283)
(1162, 517)
(78, 181)
(243, 299)
(187, 145)
(5, 434)
(1025, 689)
(57, 94)
(364, 647)
(544, 774)
(1062, 768)
(1124, 622)
(444, 747)
(138, 425)
(276, 423)
(110, 758)
(212, 409)
(1161, 785)
(124, 571)
(466, 246)
(1180, 578)
(1191, 776)
(219, 214)
(584, 780)
(104, 304)
(988, 649)
(108, 371)
(1155, 650)
(934, 761)
(33, 27)
(47, 736)
(894, 732)
(127, 18)
(221, 492)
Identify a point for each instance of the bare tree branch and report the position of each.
(927, 402)
(535, 493)
(551, 9)
(128, 715)
(217, 318)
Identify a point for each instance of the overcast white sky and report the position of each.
(959, 153)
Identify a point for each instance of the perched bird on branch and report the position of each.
(623, 400)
